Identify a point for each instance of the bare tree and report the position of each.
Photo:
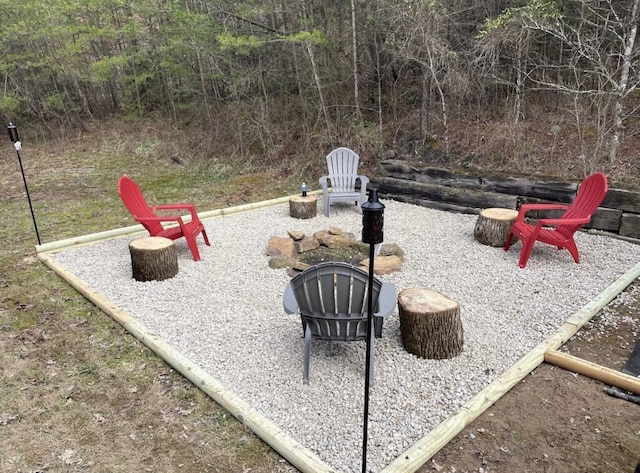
(603, 57)
(316, 77)
(420, 37)
(502, 51)
(626, 84)
(354, 40)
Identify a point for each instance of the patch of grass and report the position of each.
(78, 392)
(84, 369)
(27, 319)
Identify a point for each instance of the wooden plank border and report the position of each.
(135, 229)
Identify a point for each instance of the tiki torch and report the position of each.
(15, 139)
(372, 225)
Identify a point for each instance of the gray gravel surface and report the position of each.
(225, 314)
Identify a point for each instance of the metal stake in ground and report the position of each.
(15, 139)
(372, 225)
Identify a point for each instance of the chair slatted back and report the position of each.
(342, 164)
(591, 193)
(133, 199)
(332, 298)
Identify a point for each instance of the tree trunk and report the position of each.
(519, 82)
(443, 101)
(430, 324)
(379, 85)
(153, 259)
(303, 207)
(492, 226)
(425, 105)
(621, 89)
(354, 40)
(316, 77)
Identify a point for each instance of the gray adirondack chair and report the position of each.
(343, 174)
(331, 299)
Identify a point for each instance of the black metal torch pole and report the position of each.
(372, 224)
(368, 359)
(15, 139)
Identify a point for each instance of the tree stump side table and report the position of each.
(153, 259)
(303, 206)
(492, 226)
(430, 324)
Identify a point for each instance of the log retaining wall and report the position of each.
(619, 213)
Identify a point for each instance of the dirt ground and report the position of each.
(556, 420)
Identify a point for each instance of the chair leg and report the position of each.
(193, 246)
(206, 238)
(527, 246)
(307, 352)
(325, 204)
(573, 249)
(508, 241)
(377, 325)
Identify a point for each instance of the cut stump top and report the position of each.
(495, 213)
(419, 299)
(306, 198)
(151, 243)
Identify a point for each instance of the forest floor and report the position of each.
(80, 394)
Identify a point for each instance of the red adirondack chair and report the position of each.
(559, 231)
(145, 214)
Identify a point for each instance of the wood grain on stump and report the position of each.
(303, 207)
(430, 324)
(492, 226)
(153, 259)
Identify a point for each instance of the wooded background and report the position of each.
(276, 78)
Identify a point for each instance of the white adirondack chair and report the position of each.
(343, 174)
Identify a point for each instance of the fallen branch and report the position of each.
(615, 392)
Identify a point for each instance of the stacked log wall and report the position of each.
(619, 213)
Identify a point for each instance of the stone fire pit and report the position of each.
(298, 251)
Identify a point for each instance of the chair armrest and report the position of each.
(190, 207)
(324, 182)
(386, 300)
(524, 208)
(289, 301)
(174, 207)
(159, 219)
(364, 180)
(554, 222)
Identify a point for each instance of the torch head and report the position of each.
(13, 133)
